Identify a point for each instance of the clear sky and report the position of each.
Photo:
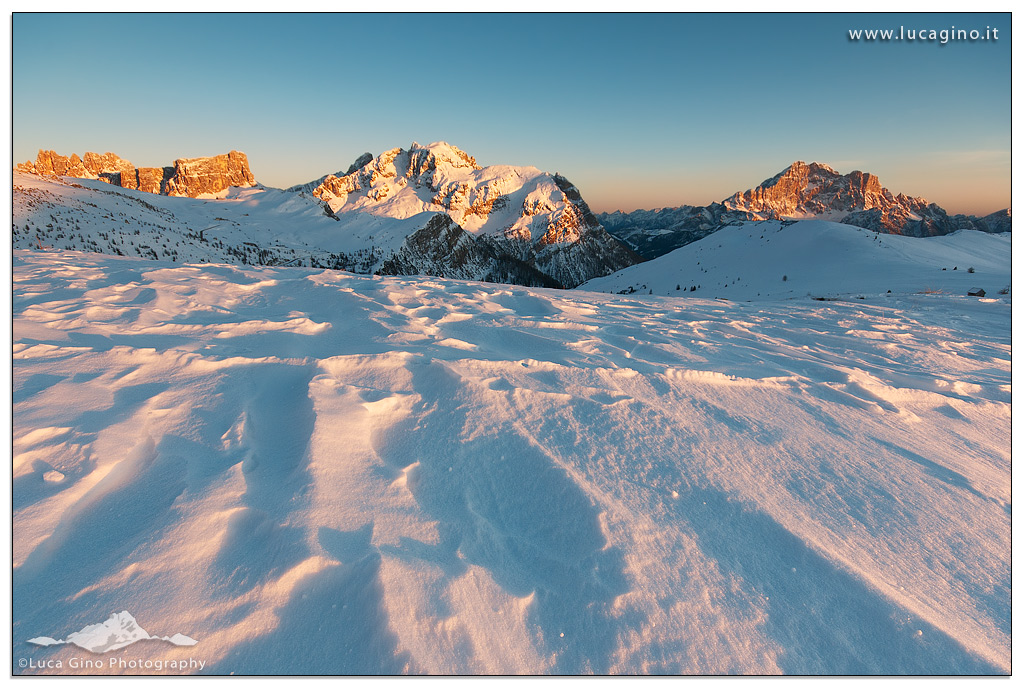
(645, 111)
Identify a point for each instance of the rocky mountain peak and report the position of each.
(197, 176)
(379, 178)
(359, 162)
(802, 168)
(442, 152)
(520, 214)
(815, 189)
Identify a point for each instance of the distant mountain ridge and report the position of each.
(800, 192)
(192, 177)
(433, 210)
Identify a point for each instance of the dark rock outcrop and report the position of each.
(112, 169)
(444, 249)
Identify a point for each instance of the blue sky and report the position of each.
(637, 110)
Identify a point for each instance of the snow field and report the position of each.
(430, 476)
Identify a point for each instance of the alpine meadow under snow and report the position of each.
(267, 431)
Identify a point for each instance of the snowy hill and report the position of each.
(800, 192)
(310, 471)
(506, 224)
(773, 260)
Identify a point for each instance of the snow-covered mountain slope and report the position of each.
(309, 471)
(800, 192)
(773, 260)
(532, 216)
(248, 226)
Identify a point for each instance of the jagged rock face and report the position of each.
(112, 169)
(50, 164)
(813, 189)
(524, 215)
(155, 179)
(379, 177)
(310, 186)
(193, 177)
(197, 176)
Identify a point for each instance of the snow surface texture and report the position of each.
(316, 472)
(818, 259)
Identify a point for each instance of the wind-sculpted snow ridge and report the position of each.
(318, 472)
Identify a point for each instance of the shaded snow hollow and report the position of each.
(316, 472)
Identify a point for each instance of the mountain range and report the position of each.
(427, 210)
(800, 192)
